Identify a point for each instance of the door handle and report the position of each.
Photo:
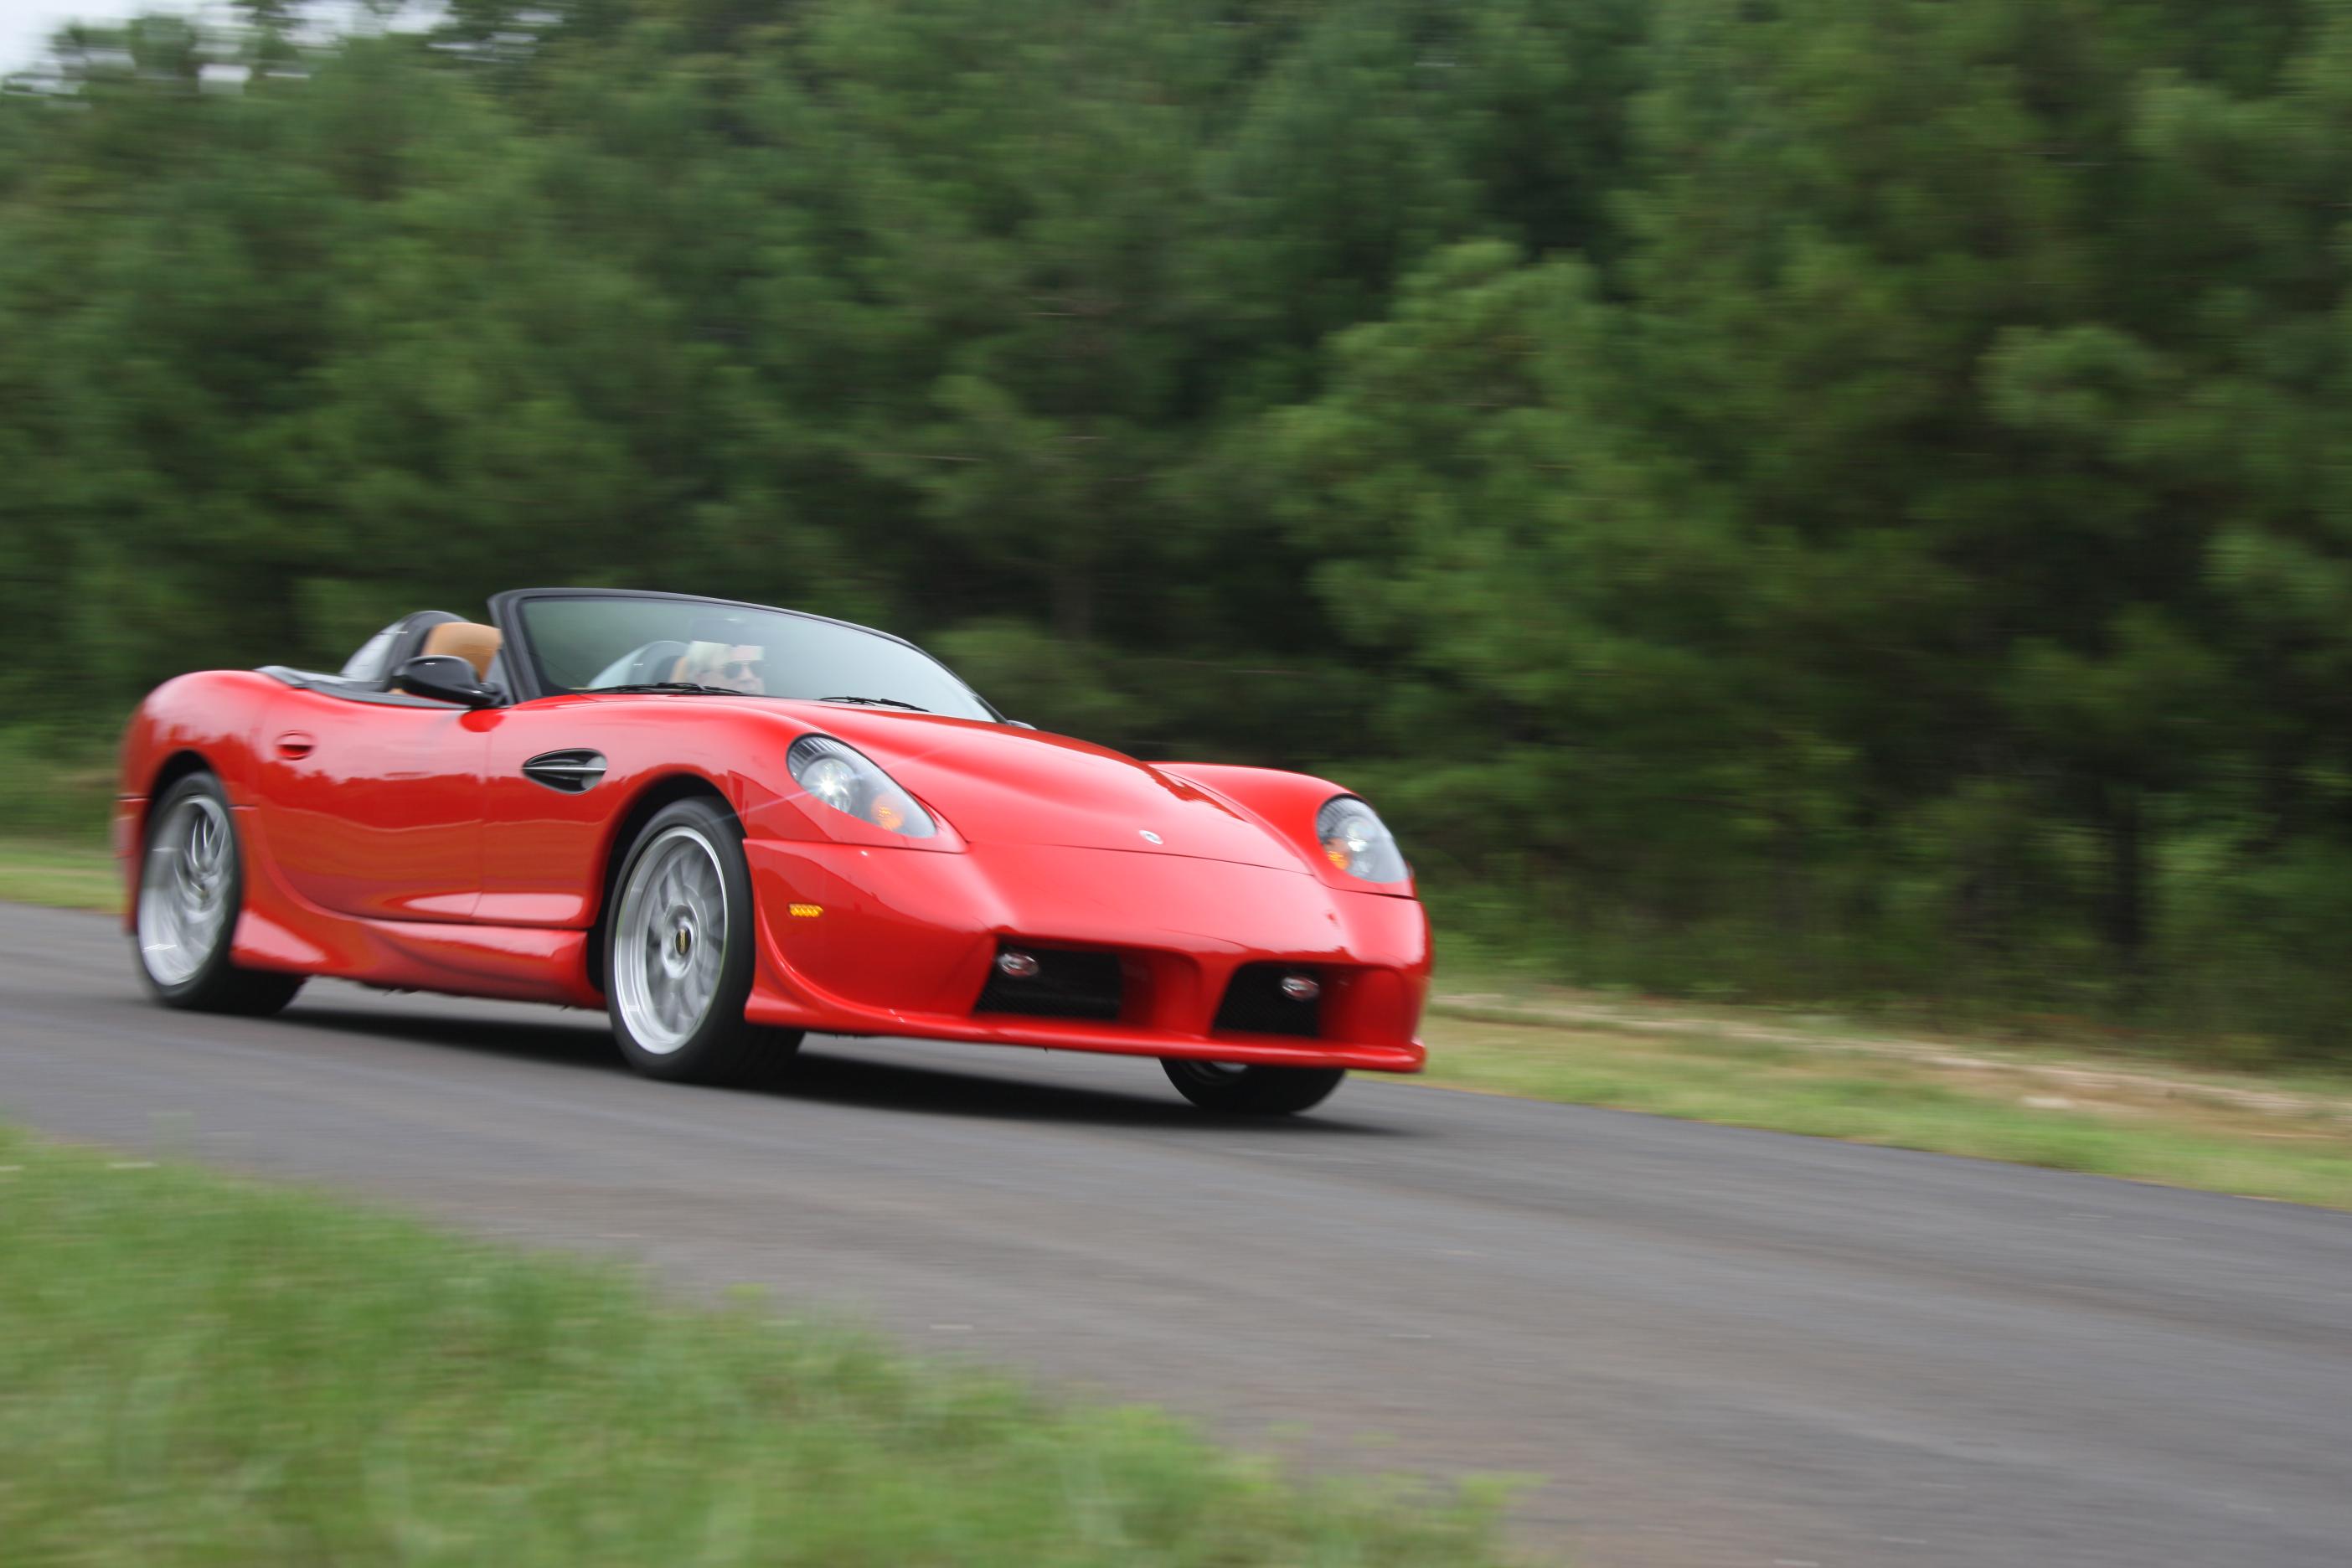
(569, 773)
(294, 745)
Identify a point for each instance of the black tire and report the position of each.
(712, 1044)
(182, 968)
(1250, 1091)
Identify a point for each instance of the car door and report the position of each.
(555, 772)
(371, 802)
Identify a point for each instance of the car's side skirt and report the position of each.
(279, 930)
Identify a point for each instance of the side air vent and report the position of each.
(570, 772)
(1059, 983)
(1271, 999)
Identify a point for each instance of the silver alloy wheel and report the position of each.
(183, 889)
(670, 941)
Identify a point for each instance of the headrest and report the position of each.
(476, 644)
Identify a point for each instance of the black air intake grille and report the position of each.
(1255, 1003)
(1067, 984)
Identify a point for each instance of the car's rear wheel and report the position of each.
(1251, 1090)
(191, 891)
(678, 951)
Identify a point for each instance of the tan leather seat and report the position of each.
(474, 643)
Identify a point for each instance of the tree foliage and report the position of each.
(1803, 497)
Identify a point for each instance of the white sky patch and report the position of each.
(25, 25)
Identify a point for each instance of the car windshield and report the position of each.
(586, 642)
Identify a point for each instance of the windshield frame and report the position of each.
(522, 665)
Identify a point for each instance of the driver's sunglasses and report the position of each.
(742, 668)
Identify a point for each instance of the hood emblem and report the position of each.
(1149, 836)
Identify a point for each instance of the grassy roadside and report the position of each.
(198, 1370)
(64, 874)
(2078, 1108)
(2257, 1135)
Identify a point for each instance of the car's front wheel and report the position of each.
(1251, 1090)
(191, 891)
(678, 951)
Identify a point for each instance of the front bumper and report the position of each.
(863, 941)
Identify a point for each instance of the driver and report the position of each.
(738, 667)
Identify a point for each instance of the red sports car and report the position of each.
(727, 824)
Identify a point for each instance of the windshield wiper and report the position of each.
(691, 686)
(876, 702)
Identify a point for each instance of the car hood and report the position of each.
(999, 784)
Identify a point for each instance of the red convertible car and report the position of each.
(727, 824)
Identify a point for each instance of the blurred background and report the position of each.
(1842, 500)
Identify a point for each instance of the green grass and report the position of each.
(63, 874)
(57, 785)
(195, 1370)
(2228, 1133)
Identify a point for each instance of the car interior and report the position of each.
(418, 635)
(367, 675)
(477, 644)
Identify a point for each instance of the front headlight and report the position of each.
(846, 779)
(1357, 842)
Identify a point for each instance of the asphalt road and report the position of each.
(1719, 1346)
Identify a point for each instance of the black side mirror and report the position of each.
(445, 677)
